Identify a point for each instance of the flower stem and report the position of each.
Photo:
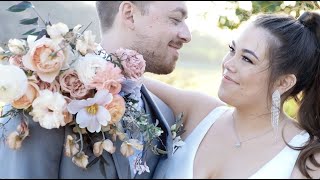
(81, 138)
(38, 15)
(104, 138)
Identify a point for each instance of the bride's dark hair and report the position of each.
(295, 50)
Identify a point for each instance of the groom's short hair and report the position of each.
(107, 11)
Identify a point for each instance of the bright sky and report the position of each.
(204, 15)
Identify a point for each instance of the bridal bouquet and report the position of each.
(61, 77)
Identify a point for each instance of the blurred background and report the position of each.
(211, 23)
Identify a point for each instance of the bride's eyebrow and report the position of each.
(247, 51)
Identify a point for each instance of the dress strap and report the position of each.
(281, 166)
(201, 130)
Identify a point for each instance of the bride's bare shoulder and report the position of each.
(201, 105)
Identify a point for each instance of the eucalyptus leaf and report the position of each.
(42, 33)
(29, 32)
(20, 7)
(28, 21)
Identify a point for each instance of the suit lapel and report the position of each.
(121, 162)
(162, 121)
(154, 112)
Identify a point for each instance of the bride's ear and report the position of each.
(286, 82)
(126, 11)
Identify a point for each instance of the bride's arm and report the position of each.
(195, 105)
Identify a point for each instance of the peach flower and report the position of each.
(14, 140)
(81, 160)
(26, 100)
(107, 145)
(45, 58)
(116, 108)
(126, 148)
(71, 147)
(108, 78)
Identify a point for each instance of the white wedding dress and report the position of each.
(180, 166)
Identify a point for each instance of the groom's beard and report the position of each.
(155, 55)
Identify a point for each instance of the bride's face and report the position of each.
(245, 69)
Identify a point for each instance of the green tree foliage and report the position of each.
(266, 7)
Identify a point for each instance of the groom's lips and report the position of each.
(176, 46)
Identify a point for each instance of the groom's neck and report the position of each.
(112, 41)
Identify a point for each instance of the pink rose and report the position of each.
(108, 78)
(17, 61)
(53, 87)
(70, 83)
(116, 108)
(132, 62)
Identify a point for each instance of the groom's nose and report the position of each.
(184, 34)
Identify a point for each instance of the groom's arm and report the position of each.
(195, 105)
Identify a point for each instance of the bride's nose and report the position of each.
(228, 65)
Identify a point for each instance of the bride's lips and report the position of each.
(225, 77)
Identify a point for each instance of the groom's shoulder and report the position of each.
(165, 110)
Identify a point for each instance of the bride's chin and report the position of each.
(224, 97)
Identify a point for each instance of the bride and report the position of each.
(275, 58)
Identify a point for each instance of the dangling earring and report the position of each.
(275, 112)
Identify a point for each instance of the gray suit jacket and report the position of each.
(42, 153)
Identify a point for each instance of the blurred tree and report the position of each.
(293, 8)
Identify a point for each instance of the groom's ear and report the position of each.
(126, 10)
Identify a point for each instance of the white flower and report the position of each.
(86, 43)
(57, 31)
(13, 83)
(17, 46)
(91, 113)
(48, 109)
(76, 29)
(139, 167)
(88, 66)
(177, 142)
(31, 40)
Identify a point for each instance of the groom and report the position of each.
(155, 29)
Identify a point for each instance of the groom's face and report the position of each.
(160, 34)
